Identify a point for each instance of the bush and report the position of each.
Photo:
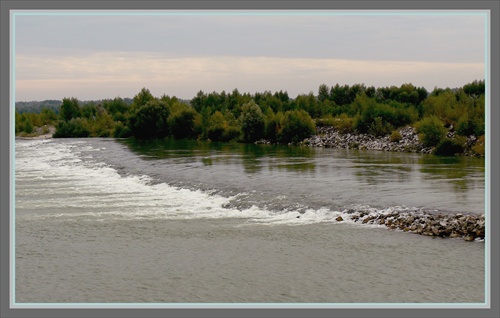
(297, 125)
(448, 147)
(431, 131)
(466, 126)
(216, 127)
(253, 122)
(181, 123)
(121, 131)
(232, 133)
(69, 109)
(478, 148)
(396, 136)
(76, 127)
(380, 128)
(150, 121)
(273, 126)
(343, 123)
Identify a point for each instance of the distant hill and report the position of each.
(37, 106)
(54, 104)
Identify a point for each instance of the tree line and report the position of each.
(245, 117)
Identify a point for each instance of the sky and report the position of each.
(99, 55)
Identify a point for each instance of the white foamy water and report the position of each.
(73, 184)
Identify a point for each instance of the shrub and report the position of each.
(69, 109)
(297, 125)
(466, 126)
(181, 123)
(396, 136)
(478, 148)
(121, 131)
(76, 127)
(274, 124)
(431, 131)
(448, 147)
(327, 120)
(150, 121)
(216, 127)
(232, 133)
(253, 122)
(380, 128)
(343, 123)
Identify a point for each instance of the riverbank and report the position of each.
(44, 132)
(329, 137)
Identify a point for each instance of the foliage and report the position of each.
(217, 127)
(475, 89)
(274, 124)
(478, 148)
(379, 128)
(466, 126)
(396, 136)
(121, 131)
(253, 122)
(150, 121)
(343, 123)
(182, 122)
(297, 125)
(431, 131)
(69, 109)
(76, 127)
(142, 98)
(448, 147)
(236, 116)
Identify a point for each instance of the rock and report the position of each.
(339, 219)
(469, 238)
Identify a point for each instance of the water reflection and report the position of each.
(329, 177)
(462, 173)
(382, 167)
(253, 158)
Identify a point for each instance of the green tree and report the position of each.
(297, 125)
(150, 121)
(431, 131)
(75, 128)
(217, 127)
(142, 98)
(182, 122)
(253, 122)
(323, 92)
(69, 109)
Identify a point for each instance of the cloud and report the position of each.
(111, 74)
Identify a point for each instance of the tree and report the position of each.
(323, 92)
(142, 98)
(431, 131)
(182, 121)
(217, 127)
(475, 89)
(253, 122)
(297, 125)
(69, 109)
(150, 121)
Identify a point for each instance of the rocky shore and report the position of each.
(469, 227)
(329, 137)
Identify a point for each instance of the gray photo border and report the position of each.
(6, 156)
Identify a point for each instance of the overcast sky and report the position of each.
(95, 56)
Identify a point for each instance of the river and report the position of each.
(118, 221)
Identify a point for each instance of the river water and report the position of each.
(117, 221)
